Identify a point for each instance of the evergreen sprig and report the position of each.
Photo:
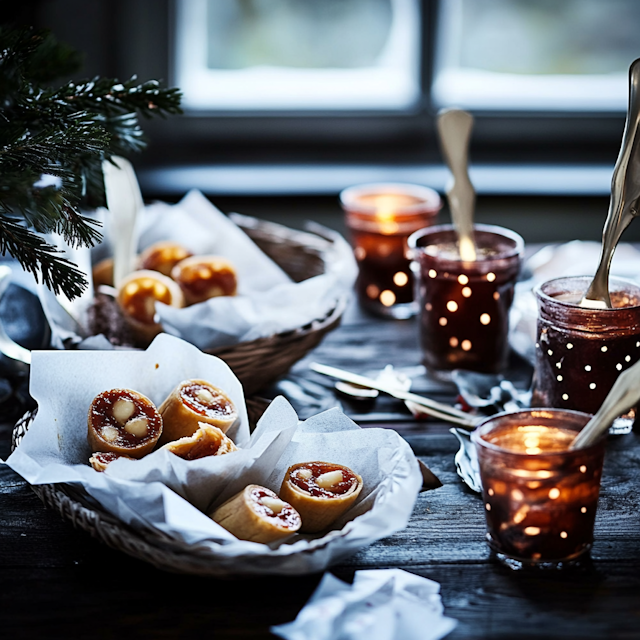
(52, 145)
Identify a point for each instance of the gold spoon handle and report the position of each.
(454, 128)
(625, 194)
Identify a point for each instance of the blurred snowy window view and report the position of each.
(298, 54)
(536, 54)
(279, 55)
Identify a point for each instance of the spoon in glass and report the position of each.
(624, 394)
(624, 205)
(454, 128)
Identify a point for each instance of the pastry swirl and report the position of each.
(321, 492)
(123, 421)
(191, 403)
(204, 277)
(206, 441)
(257, 514)
(163, 256)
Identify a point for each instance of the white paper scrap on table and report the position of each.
(382, 604)
(173, 496)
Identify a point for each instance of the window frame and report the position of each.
(143, 42)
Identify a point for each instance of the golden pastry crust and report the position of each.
(123, 421)
(206, 441)
(100, 460)
(191, 403)
(102, 273)
(204, 277)
(258, 515)
(320, 505)
(163, 256)
(137, 296)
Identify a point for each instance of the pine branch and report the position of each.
(52, 145)
(41, 259)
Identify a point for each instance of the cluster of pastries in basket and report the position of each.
(171, 274)
(192, 423)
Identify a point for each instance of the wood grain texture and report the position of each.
(56, 582)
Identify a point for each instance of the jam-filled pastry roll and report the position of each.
(204, 277)
(321, 492)
(123, 421)
(193, 402)
(100, 460)
(163, 256)
(137, 297)
(258, 515)
(206, 441)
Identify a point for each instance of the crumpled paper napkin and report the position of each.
(382, 604)
(268, 301)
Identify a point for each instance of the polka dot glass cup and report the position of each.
(380, 218)
(464, 306)
(580, 352)
(540, 499)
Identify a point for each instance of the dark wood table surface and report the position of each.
(56, 582)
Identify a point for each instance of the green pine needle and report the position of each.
(63, 134)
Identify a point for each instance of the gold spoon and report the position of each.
(454, 128)
(624, 205)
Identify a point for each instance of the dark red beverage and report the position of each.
(464, 306)
(540, 497)
(580, 351)
(380, 218)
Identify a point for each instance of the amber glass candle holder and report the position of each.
(464, 306)
(380, 218)
(540, 499)
(580, 352)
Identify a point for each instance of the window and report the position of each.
(298, 54)
(544, 55)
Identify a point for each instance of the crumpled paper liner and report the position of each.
(173, 495)
(381, 604)
(268, 301)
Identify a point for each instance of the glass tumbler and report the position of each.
(464, 306)
(380, 218)
(540, 498)
(580, 352)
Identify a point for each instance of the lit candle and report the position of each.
(380, 218)
(539, 497)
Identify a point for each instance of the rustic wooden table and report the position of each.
(58, 582)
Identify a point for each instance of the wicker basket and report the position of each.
(301, 255)
(148, 544)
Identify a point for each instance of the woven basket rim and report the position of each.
(150, 545)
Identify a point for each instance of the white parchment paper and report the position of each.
(268, 301)
(173, 495)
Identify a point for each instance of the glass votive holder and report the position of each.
(464, 306)
(380, 218)
(540, 498)
(580, 352)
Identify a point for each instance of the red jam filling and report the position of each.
(317, 469)
(200, 279)
(287, 518)
(102, 415)
(163, 259)
(201, 449)
(220, 406)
